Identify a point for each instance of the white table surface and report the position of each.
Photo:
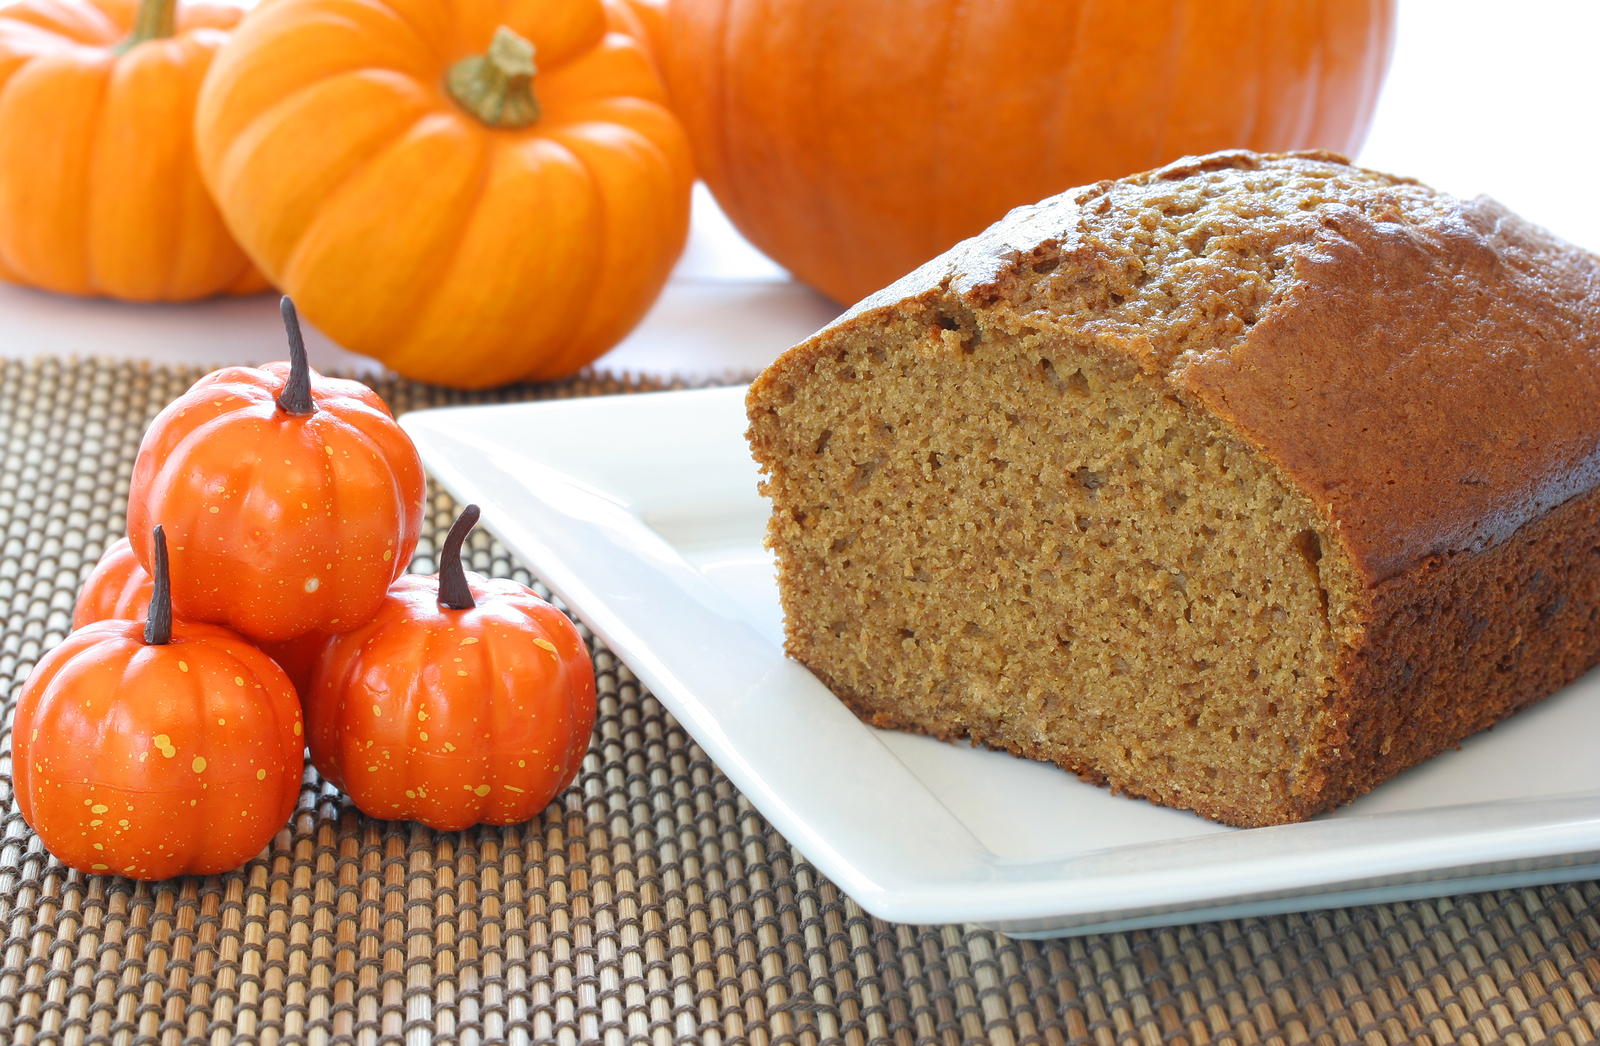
(1483, 97)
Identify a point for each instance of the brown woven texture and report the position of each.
(650, 902)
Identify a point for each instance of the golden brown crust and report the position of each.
(1422, 371)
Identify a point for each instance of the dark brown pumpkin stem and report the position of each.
(158, 622)
(497, 87)
(155, 20)
(296, 395)
(454, 592)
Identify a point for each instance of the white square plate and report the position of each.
(641, 512)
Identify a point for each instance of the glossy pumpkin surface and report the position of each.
(278, 524)
(117, 587)
(99, 190)
(406, 226)
(178, 756)
(453, 717)
(853, 140)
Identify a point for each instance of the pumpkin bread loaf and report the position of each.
(1241, 485)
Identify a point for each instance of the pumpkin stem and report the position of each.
(155, 20)
(454, 592)
(158, 622)
(497, 87)
(296, 395)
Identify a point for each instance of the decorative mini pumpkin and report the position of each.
(118, 587)
(156, 749)
(465, 701)
(99, 191)
(471, 192)
(853, 140)
(291, 500)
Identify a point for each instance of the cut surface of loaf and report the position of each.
(1241, 485)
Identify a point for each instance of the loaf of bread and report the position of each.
(1241, 485)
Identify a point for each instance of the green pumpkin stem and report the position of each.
(158, 621)
(454, 592)
(155, 20)
(497, 87)
(296, 395)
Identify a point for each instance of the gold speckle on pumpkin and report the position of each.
(99, 808)
(96, 823)
(261, 775)
(377, 710)
(199, 764)
(468, 641)
(482, 790)
(214, 510)
(388, 556)
(165, 745)
(423, 734)
(513, 788)
(103, 867)
(422, 716)
(545, 644)
(297, 729)
(183, 666)
(238, 680)
(312, 584)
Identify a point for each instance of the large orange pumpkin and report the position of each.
(99, 191)
(472, 191)
(853, 140)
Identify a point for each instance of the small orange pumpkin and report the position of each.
(156, 749)
(292, 500)
(118, 587)
(464, 701)
(472, 191)
(853, 140)
(99, 191)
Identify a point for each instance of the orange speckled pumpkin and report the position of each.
(472, 191)
(465, 700)
(290, 500)
(118, 587)
(852, 140)
(159, 749)
(99, 191)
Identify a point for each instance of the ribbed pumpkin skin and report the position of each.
(453, 717)
(99, 192)
(407, 229)
(155, 761)
(852, 140)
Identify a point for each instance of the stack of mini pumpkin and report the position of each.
(274, 510)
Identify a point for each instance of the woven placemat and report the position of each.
(650, 902)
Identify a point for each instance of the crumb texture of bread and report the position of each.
(1241, 485)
